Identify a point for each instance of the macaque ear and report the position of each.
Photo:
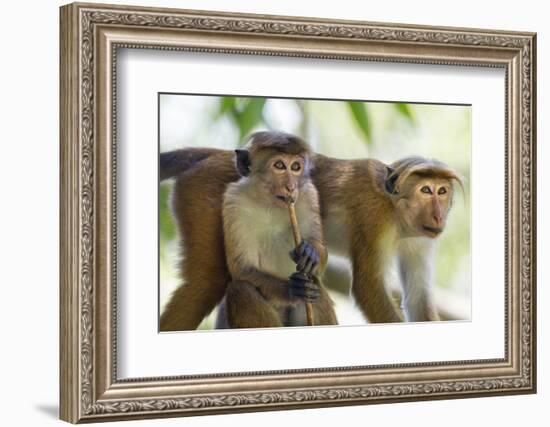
(243, 162)
(391, 179)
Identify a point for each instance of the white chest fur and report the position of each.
(265, 236)
(275, 242)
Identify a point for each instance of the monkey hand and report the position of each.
(306, 257)
(302, 287)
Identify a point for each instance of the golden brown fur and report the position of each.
(360, 218)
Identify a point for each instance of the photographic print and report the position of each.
(277, 212)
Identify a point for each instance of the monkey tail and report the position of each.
(173, 163)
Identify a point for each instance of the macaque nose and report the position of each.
(290, 187)
(437, 212)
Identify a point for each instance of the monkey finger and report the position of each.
(311, 266)
(307, 285)
(306, 261)
(307, 294)
(298, 257)
(296, 292)
(297, 280)
(315, 260)
(302, 248)
(299, 276)
(300, 283)
(315, 263)
(297, 286)
(308, 266)
(312, 296)
(306, 257)
(314, 253)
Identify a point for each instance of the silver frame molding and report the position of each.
(90, 36)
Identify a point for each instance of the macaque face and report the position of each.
(283, 176)
(425, 205)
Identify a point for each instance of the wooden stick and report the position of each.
(297, 241)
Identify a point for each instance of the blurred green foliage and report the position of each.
(167, 227)
(246, 113)
(361, 116)
(404, 110)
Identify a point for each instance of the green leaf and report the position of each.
(405, 111)
(250, 115)
(359, 112)
(167, 228)
(227, 105)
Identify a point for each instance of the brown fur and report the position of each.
(355, 187)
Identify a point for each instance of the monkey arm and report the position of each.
(372, 297)
(368, 285)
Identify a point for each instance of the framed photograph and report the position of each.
(266, 212)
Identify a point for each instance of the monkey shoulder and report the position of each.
(236, 206)
(238, 199)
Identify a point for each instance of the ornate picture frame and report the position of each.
(90, 37)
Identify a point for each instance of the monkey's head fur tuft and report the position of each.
(400, 170)
(422, 192)
(282, 142)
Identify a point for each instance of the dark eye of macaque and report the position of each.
(279, 165)
(426, 190)
(441, 191)
(296, 166)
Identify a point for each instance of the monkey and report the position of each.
(398, 211)
(270, 281)
(371, 213)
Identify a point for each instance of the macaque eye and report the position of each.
(442, 190)
(279, 165)
(426, 190)
(296, 166)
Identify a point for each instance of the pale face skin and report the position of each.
(424, 206)
(282, 176)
